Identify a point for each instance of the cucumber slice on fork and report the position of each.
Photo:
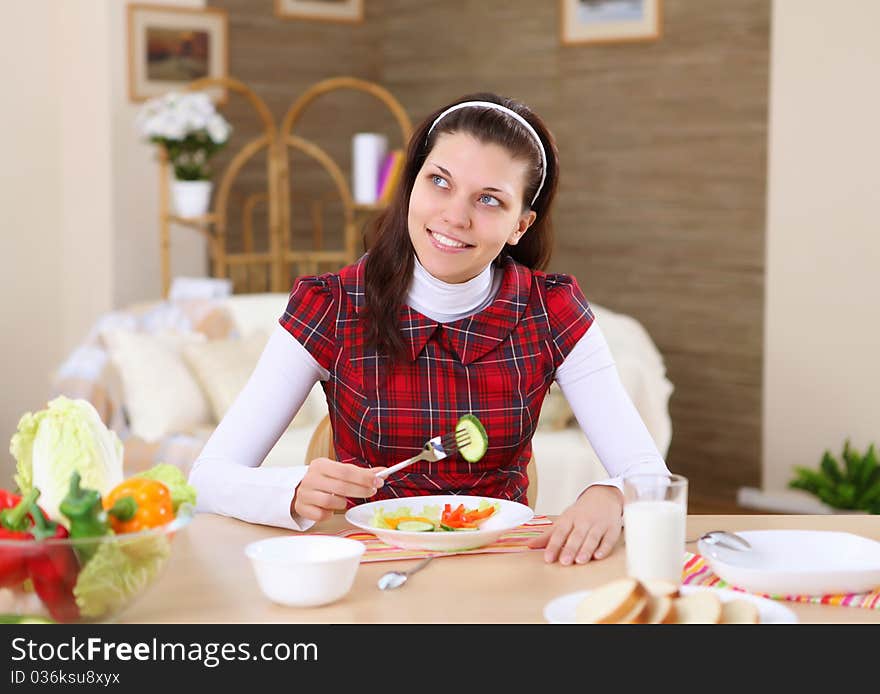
(478, 443)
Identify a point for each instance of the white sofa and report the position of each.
(161, 374)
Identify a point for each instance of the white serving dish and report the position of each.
(305, 570)
(509, 516)
(563, 610)
(798, 562)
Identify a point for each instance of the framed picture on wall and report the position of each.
(168, 47)
(610, 21)
(324, 10)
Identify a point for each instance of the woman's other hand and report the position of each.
(326, 485)
(588, 529)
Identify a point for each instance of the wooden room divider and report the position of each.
(274, 144)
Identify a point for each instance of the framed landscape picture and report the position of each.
(610, 21)
(168, 47)
(326, 10)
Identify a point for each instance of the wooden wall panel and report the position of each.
(661, 205)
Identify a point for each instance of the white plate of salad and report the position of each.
(445, 523)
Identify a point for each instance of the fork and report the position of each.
(435, 449)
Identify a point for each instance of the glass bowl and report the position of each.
(82, 580)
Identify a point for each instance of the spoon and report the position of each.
(395, 579)
(723, 538)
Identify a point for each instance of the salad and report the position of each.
(434, 518)
(70, 486)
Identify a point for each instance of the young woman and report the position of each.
(448, 313)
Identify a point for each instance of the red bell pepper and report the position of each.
(456, 518)
(53, 568)
(8, 500)
(457, 514)
(460, 518)
(14, 524)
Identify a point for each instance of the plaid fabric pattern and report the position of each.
(497, 365)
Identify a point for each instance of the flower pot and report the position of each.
(191, 198)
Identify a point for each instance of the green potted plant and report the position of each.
(191, 131)
(853, 486)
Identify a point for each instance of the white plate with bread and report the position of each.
(628, 601)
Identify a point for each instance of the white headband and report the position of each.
(513, 114)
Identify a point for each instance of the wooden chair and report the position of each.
(321, 446)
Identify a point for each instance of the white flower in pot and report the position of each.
(191, 131)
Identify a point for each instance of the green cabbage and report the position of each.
(172, 477)
(119, 571)
(50, 444)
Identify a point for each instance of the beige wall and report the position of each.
(136, 184)
(822, 358)
(86, 202)
(78, 191)
(30, 213)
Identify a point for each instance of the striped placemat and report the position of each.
(697, 573)
(515, 540)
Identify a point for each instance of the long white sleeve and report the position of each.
(589, 381)
(226, 475)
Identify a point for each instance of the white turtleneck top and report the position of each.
(227, 474)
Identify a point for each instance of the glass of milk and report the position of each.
(654, 516)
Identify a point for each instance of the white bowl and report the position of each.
(798, 562)
(509, 515)
(306, 570)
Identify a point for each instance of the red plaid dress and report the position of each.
(496, 364)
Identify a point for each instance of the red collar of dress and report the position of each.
(470, 337)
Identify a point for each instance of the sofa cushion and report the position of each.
(223, 367)
(250, 313)
(160, 394)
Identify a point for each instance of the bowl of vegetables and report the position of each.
(85, 550)
(444, 523)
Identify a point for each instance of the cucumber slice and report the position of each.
(457, 530)
(479, 442)
(415, 527)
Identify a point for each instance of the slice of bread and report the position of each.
(702, 607)
(739, 612)
(613, 602)
(639, 613)
(660, 587)
(661, 610)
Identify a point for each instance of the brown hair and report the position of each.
(389, 264)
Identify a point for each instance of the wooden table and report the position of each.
(209, 579)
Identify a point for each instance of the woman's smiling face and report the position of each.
(465, 205)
